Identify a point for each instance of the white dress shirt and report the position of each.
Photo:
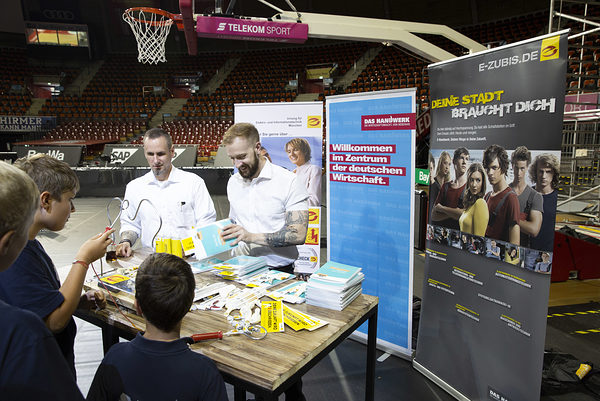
(260, 205)
(182, 201)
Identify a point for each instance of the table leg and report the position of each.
(371, 358)
(239, 393)
(109, 337)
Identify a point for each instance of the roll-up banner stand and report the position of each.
(497, 117)
(370, 186)
(294, 127)
(124, 155)
(70, 154)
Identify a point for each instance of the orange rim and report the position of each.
(129, 15)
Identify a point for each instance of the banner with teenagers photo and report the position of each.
(495, 137)
(292, 137)
(370, 210)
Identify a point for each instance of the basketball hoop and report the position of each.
(150, 27)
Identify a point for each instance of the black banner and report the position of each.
(26, 123)
(133, 155)
(68, 154)
(495, 138)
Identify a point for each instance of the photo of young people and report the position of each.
(448, 205)
(520, 215)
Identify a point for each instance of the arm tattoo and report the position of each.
(293, 232)
(130, 235)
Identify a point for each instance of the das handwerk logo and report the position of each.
(388, 122)
(550, 48)
(313, 122)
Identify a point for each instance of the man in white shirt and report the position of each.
(269, 208)
(178, 198)
(268, 204)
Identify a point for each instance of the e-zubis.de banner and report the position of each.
(496, 127)
(370, 164)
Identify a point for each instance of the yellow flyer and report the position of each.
(115, 278)
(298, 320)
(271, 316)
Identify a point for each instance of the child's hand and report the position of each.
(93, 299)
(95, 247)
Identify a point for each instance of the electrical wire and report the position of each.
(113, 299)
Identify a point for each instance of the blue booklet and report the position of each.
(205, 265)
(208, 241)
(335, 274)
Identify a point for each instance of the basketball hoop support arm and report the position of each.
(327, 26)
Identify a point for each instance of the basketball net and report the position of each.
(150, 27)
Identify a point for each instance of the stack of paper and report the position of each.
(334, 285)
(241, 267)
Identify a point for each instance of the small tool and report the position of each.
(253, 331)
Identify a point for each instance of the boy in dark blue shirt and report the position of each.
(159, 365)
(31, 365)
(32, 282)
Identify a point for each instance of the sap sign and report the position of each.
(68, 154)
(122, 155)
(133, 155)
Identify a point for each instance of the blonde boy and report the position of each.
(31, 365)
(32, 282)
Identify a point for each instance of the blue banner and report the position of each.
(370, 164)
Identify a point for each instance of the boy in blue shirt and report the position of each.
(159, 365)
(32, 282)
(31, 365)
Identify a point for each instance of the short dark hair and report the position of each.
(458, 152)
(496, 152)
(521, 154)
(154, 133)
(164, 289)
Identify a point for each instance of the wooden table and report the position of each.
(264, 367)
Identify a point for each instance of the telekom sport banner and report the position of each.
(370, 186)
(487, 273)
(295, 127)
(246, 29)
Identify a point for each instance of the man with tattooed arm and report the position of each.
(268, 205)
(269, 208)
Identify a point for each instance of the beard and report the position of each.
(248, 170)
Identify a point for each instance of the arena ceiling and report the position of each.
(108, 33)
